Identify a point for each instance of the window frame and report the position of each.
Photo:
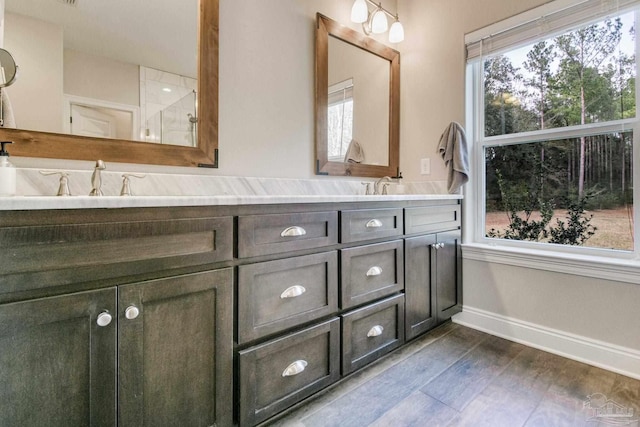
(609, 264)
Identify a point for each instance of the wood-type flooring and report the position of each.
(456, 376)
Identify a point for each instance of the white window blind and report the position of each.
(340, 92)
(542, 22)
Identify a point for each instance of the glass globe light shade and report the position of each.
(379, 22)
(359, 12)
(396, 33)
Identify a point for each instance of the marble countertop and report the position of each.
(111, 202)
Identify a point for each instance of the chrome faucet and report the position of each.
(384, 181)
(96, 179)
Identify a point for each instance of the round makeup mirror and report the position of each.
(8, 69)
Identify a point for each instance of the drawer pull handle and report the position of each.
(374, 271)
(104, 319)
(293, 291)
(295, 368)
(374, 223)
(375, 331)
(293, 231)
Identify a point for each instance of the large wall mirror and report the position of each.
(357, 103)
(121, 81)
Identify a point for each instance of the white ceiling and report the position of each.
(160, 34)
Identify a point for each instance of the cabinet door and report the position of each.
(448, 275)
(57, 364)
(175, 351)
(420, 290)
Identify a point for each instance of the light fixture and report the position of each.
(376, 22)
(166, 89)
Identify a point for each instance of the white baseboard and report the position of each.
(611, 357)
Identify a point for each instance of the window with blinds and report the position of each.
(340, 119)
(553, 117)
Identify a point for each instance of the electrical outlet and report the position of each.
(425, 166)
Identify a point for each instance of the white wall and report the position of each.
(36, 96)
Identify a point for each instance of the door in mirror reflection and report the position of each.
(358, 105)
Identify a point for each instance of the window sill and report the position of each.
(580, 265)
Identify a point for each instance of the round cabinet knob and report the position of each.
(131, 312)
(104, 319)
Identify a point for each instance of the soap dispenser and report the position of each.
(7, 172)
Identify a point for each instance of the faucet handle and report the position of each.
(385, 185)
(367, 188)
(63, 188)
(126, 185)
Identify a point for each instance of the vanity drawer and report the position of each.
(276, 295)
(40, 256)
(369, 224)
(371, 272)
(272, 234)
(279, 373)
(431, 219)
(371, 331)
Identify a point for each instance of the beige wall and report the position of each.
(267, 84)
(36, 96)
(118, 82)
(593, 308)
(433, 68)
(1, 23)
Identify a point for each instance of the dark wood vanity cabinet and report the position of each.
(101, 326)
(220, 315)
(175, 364)
(58, 360)
(165, 351)
(433, 278)
(448, 274)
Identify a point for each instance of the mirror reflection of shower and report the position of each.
(193, 121)
(176, 124)
(168, 107)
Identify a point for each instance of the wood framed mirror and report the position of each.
(30, 143)
(357, 103)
